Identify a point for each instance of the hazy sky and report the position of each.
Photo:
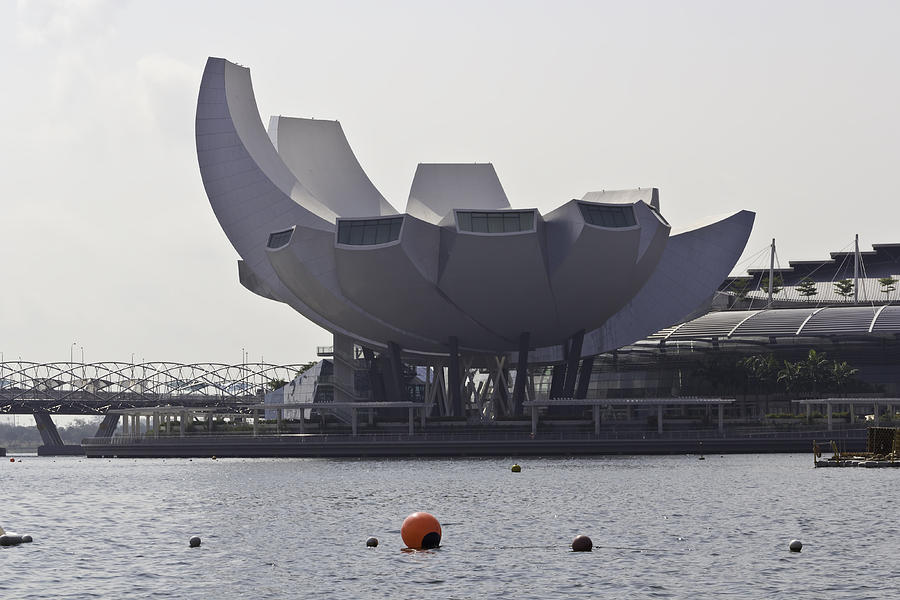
(791, 109)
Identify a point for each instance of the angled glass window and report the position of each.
(608, 216)
(280, 238)
(506, 221)
(369, 232)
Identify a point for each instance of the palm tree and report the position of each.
(790, 376)
(815, 370)
(841, 374)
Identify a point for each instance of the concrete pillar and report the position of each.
(659, 418)
(354, 419)
(342, 359)
(596, 419)
(584, 378)
(255, 421)
(156, 424)
(828, 412)
(181, 417)
(521, 374)
(453, 379)
(850, 411)
(534, 419)
(721, 417)
(411, 419)
(575, 344)
(877, 416)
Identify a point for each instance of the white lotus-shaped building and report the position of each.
(460, 270)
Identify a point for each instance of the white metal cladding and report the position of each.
(888, 321)
(617, 281)
(838, 321)
(717, 324)
(788, 322)
(774, 322)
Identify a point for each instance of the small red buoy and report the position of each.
(12, 460)
(421, 531)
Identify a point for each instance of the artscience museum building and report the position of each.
(459, 278)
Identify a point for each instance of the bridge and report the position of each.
(70, 388)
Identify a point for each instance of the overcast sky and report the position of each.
(107, 240)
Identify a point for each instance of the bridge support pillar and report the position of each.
(107, 426)
(47, 428)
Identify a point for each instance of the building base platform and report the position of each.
(444, 446)
(64, 450)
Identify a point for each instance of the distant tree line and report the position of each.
(25, 438)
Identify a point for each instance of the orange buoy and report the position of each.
(12, 460)
(421, 531)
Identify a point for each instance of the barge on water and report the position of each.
(882, 451)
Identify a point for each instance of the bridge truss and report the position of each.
(94, 388)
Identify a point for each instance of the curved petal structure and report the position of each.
(318, 154)
(439, 188)
(461, 268)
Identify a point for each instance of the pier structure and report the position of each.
(850, 402)
(628, 403)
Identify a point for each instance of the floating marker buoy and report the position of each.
(372, 542)
(582, 543)
(796, 545)
(195, 541)
(214, 458)
(26, 539)
(516, 468)
(12, 460)
(421, 531)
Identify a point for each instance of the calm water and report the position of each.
(663, 527)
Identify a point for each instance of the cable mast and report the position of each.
(856, 269)
(771, 272)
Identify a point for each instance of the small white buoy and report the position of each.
(195, 541)
(796, 545)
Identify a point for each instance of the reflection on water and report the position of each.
(662, 527)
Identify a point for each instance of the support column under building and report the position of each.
(376, 381)
(574, 356)
(584, 378)
(453, 382)
(342, 358)
(394, 380)
(557, 380)
(521, 374)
